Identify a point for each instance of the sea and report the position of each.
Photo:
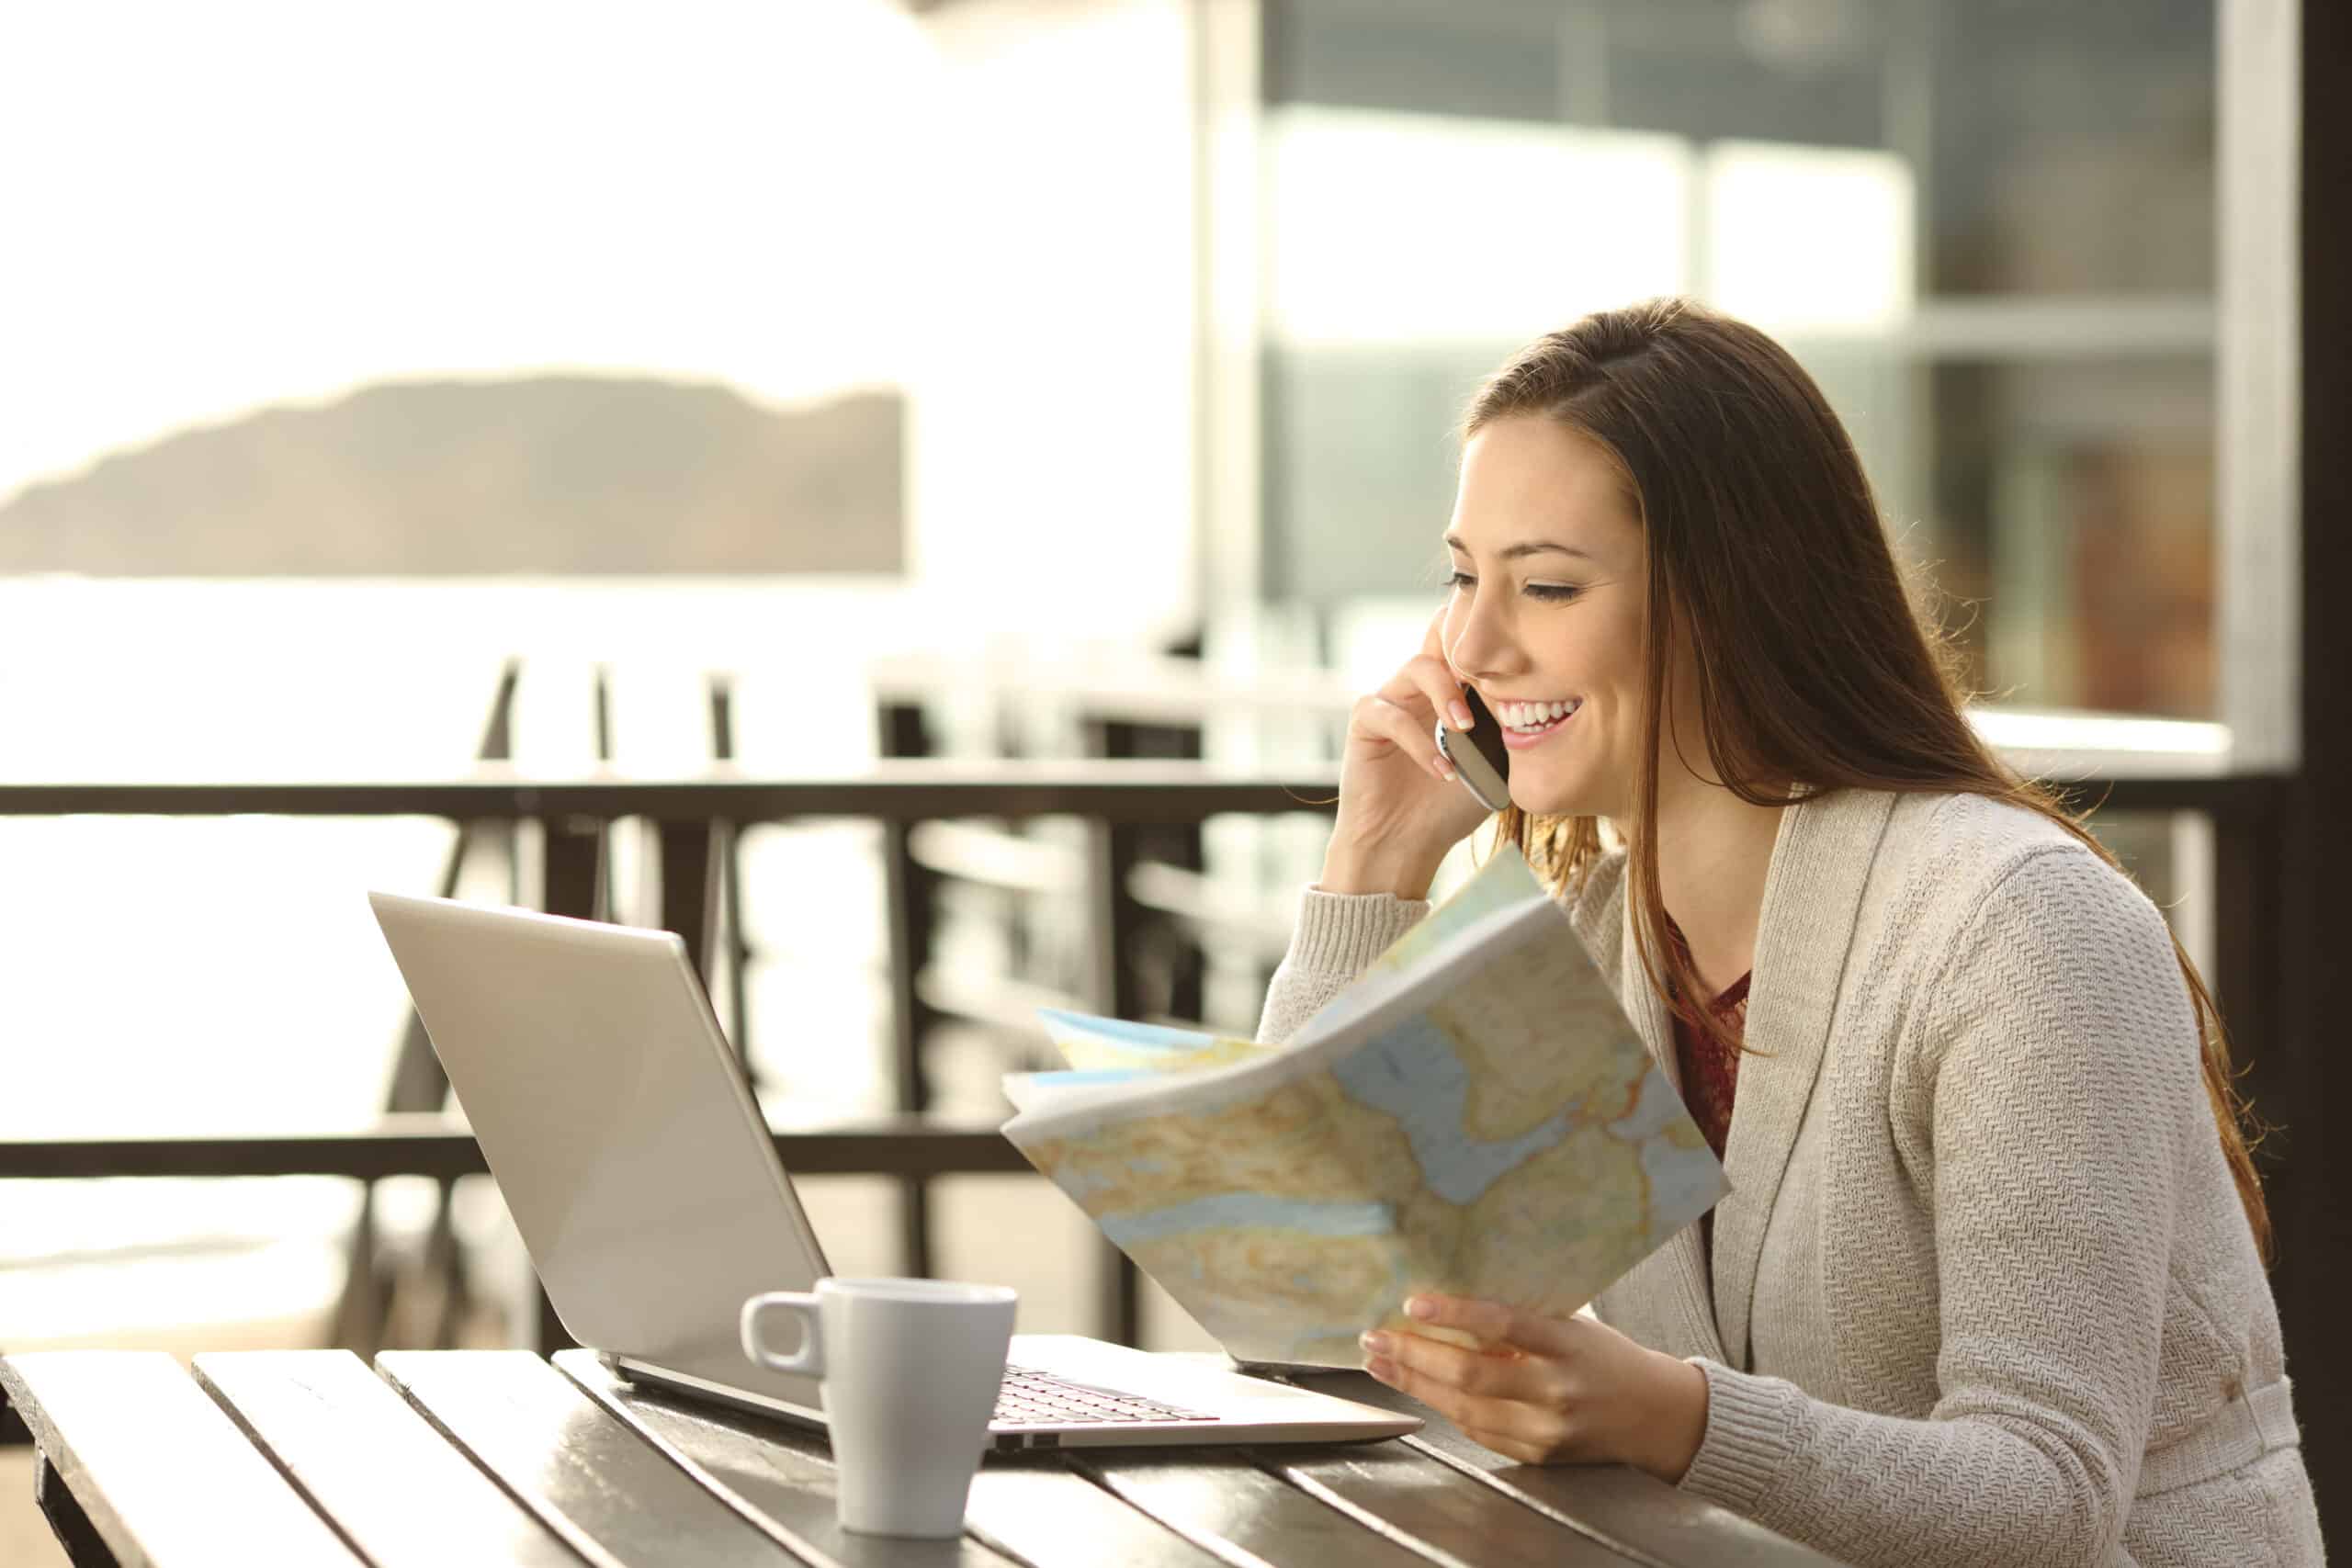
(192, 975)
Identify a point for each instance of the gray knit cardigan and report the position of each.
(1983, 1292)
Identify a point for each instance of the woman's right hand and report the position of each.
(1400, 807)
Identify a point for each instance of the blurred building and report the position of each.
(1992, 230)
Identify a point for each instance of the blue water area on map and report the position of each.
(1413, 1073)
(1685, 1179)
(1152, 1036)
(1225, 1211)
(1088, 1078)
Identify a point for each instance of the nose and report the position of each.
(1478, 642)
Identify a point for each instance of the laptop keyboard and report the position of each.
(1039, 1399)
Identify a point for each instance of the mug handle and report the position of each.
(809, 1360)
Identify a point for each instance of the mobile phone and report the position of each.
(1480, 759)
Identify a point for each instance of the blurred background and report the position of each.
(604, 392)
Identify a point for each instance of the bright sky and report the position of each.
(208, 209)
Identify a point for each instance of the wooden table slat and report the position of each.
(306, 1456)
(1222, 1500)
(1635, 1515)
(164, 1475)
(366, 1460)
(611, 1495)
(1038, 1509)
(1446, 1515)
(777, 1477)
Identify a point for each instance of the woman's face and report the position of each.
(1550, 579)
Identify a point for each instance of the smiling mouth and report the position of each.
(1526, 724)
(1533, 715)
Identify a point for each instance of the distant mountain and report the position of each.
(548, 475)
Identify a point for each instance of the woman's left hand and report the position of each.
(1548, 1391)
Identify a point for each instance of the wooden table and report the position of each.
(446, 1458)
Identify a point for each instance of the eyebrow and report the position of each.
(1525, 547)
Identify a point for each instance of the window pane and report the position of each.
(1987, 229)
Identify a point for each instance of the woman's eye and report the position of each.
(1548, 593)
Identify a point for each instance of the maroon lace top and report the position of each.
(1710, 1073)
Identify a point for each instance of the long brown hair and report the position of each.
(1813, 669)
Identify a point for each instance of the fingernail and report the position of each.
(1419, 1306)
(1375, 1341)
(1462, 716)
(1384, 1370)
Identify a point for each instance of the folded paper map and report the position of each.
(1473, 1115)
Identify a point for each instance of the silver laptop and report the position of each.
(639, 1171)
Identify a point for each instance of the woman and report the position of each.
(1989, 1286)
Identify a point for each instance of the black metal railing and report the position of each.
(1137, 874)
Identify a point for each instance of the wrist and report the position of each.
(1674, 1428)
(1359, 867)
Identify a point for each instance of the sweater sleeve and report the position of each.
(2059, 1074)
(1336, 937)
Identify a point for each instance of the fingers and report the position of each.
(1406, 710)
(1510, 1447)
(1431, 679)
(1400, 712)
(1486, 1374)
(1493, 1322)
(1378, 717)
(1509, 1407)
(1404, 713)
(1544, 1390)
(1519, 1394)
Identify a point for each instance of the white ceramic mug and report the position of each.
(911, 1371)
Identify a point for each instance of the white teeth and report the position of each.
(1533, 715)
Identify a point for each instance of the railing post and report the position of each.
(418, 1084)
(691, 869)
(1113, 921)
(727, 872)
(1121, 932)
(1180, 970)
(910, 891)
(574, 859)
